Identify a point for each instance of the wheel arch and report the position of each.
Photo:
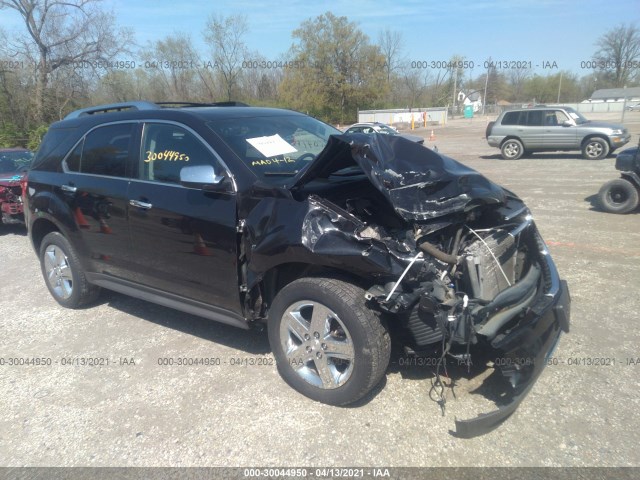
(595, 135)
(511, 137)
(40, 228)
(633, 177)
(281, 275)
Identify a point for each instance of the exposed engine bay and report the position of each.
(452, 258)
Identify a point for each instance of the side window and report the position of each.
(73, 159)
(554, 118)
(535, 118)
(515, 118)
(166, 149)
(510, 118)
(561, 117)
(106, 150)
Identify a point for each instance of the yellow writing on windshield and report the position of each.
(169, 155)
(272, 161)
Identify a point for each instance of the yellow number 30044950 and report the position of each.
(169, 155)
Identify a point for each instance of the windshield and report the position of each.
(274, 146)
(576, 116)
(15, 161)
(387, 130)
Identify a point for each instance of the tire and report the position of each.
(618, 196)
(595, 148)
(327, 344)
(512, 149)
(63, 273)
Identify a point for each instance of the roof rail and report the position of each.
(195, 104)
(142, 105)
(229, 104)
(112, 107)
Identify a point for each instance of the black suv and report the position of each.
(337, 241)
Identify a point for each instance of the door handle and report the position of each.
(139, 204)
(69, 188)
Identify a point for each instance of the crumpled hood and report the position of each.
(420, 183)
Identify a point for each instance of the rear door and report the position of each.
(95, 187)
(184, 240)
(533, 132)
(525, 125)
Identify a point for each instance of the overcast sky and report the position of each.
(536, 31)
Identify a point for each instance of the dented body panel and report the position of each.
(417, 256)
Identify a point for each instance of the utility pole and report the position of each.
(455, 84)
(559, 87)
(484, 97)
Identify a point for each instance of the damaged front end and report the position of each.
(11, 206)
(496, 291)
(482, 277)
(455, 260)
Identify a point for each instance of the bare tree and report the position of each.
(225, 36)
(173, 63)
(390, 43)
(60, 33)
(619, 53)
(517, 80)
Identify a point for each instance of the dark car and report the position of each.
(622, 195)
(14, 162)
(336, 241)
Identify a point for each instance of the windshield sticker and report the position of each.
(272, 161)
(271, 146)
(169, 155)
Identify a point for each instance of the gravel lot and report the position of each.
(135, 412)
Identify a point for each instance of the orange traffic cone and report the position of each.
(432, 137)
(199, 247)
(80, 220)
(104, 228)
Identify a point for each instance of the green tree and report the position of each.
(336, 69)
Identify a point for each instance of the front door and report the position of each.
(184, 240)
(557, 134)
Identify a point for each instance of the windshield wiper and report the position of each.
(348, 172)
(280, 174)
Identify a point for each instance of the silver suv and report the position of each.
(537, 129)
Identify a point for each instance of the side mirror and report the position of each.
(567, 123)
(202, 177)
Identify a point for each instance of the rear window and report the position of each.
(530, 118)
(534, 119)
(511, 118)
(55, 144)
(104, 151)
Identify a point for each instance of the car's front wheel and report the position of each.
(618, 196)
(63, 273)
(512, 149)
(595, 148)
(327, 344)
